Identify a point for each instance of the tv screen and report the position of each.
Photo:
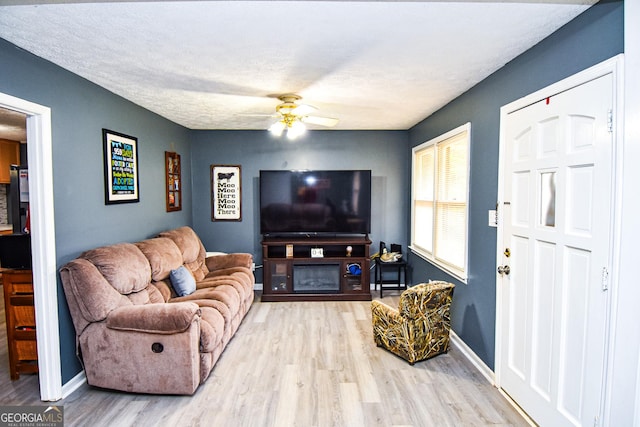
(310, 202)
(15, 251)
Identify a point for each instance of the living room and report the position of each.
(82, 221)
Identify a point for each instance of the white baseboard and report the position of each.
(518, 408)
(473, 358)
(486, 372)
(73, 384)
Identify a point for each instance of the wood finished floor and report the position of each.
(297, 364)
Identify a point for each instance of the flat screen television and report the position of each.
(315, 202)
(15, 251)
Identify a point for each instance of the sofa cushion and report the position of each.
(150, 295)
(182, 281)
(123, 265)
(165, 289)
(163, 256)
(219, 262)
(93, 295)
(233, 280)
(223, 293)
(193, 252)
(211, 329)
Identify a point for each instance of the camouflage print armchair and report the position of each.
(419, 329)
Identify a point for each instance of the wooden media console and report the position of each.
(316, 268)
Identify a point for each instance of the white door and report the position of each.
(556, 242)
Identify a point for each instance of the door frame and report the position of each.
(615, 67)
(45, 287)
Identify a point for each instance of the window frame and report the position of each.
(430, 256)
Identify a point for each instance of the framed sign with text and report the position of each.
(226, 193)
(121, 181)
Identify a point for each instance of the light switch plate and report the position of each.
(493, 218)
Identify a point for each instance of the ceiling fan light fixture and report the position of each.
(277, 128)
(293, 117)
(296, 129)
(285, 109)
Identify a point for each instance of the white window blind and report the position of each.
(439, 201)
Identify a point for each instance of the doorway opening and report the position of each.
(43, 241)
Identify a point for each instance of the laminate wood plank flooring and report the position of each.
(297, 364)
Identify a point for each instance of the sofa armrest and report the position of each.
(218, 262)
(154, 318)
(142, 361)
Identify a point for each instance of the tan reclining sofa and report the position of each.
(134, 333)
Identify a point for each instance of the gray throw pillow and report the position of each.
(182, 281)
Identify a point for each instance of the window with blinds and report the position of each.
(439, 200)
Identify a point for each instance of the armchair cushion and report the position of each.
(182, 281)
(154, 318)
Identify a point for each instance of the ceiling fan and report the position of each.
(292, 117)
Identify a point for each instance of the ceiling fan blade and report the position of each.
(303, 110)
(322, 121)
(257, 115)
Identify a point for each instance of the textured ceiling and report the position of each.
(13, 125)
(216, 64)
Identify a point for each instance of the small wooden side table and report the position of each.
(397, 267)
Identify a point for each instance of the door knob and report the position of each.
(504, 269)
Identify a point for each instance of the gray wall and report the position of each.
(79, 111)
(385, 153)
(592, 37)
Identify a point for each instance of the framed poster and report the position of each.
(226, 193)
(121, 183)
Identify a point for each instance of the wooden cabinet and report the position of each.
(278, 276)
(9, 155)
(316, 268)
(21, 322)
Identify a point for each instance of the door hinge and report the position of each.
(610, 121)
(605, 279)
